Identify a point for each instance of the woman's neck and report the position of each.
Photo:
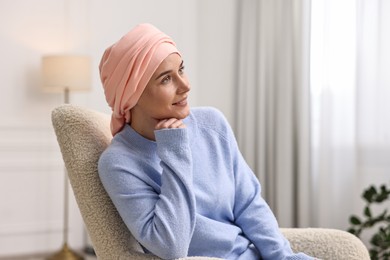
(143, 126)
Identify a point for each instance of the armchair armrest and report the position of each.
(326, 243)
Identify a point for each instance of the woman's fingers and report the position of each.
(170, 123)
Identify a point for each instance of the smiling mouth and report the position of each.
(182, 102)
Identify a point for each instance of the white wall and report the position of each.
(31, 169)
(217, 61)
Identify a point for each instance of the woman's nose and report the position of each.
(183, 84)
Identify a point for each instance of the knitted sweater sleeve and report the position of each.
(253, 215)
(162, 221)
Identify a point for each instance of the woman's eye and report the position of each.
(181, 70)
(166, 79)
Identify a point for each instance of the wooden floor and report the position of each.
(42, 257)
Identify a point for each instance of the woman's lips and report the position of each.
(182, 102)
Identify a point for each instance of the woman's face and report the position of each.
(165, 96)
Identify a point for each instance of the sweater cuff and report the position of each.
(174, 139)
(174, 150)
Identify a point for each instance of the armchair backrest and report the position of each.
(83, 134)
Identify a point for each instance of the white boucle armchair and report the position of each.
(83, 134)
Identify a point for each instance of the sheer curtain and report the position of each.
(350, 97)
(272, 119)
(373, 88)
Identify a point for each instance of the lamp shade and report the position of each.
(71, 72)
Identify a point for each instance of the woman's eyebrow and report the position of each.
(168, 71)
(163, 73)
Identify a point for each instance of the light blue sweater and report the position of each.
(190, 193)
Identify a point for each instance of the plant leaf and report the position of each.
(367, 212)
(355, 220)
(369, 193)
(373, 254)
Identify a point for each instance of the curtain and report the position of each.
(272, 106)
(373, 88)
(350, 94)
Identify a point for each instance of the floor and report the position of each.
(40, 257)
(44, 257)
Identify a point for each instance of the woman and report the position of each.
(175, 174)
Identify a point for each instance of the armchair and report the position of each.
(83, 134)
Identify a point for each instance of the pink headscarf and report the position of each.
(127, 66)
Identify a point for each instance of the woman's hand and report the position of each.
(170, 123)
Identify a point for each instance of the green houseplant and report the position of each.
(380, 240)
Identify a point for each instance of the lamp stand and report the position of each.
(66, 253)
(66, 95)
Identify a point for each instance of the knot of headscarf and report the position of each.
(127, 66)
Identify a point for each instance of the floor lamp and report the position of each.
(65, 73)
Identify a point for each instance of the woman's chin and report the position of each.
(184, 113)
(176, 115)
(181, 112)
